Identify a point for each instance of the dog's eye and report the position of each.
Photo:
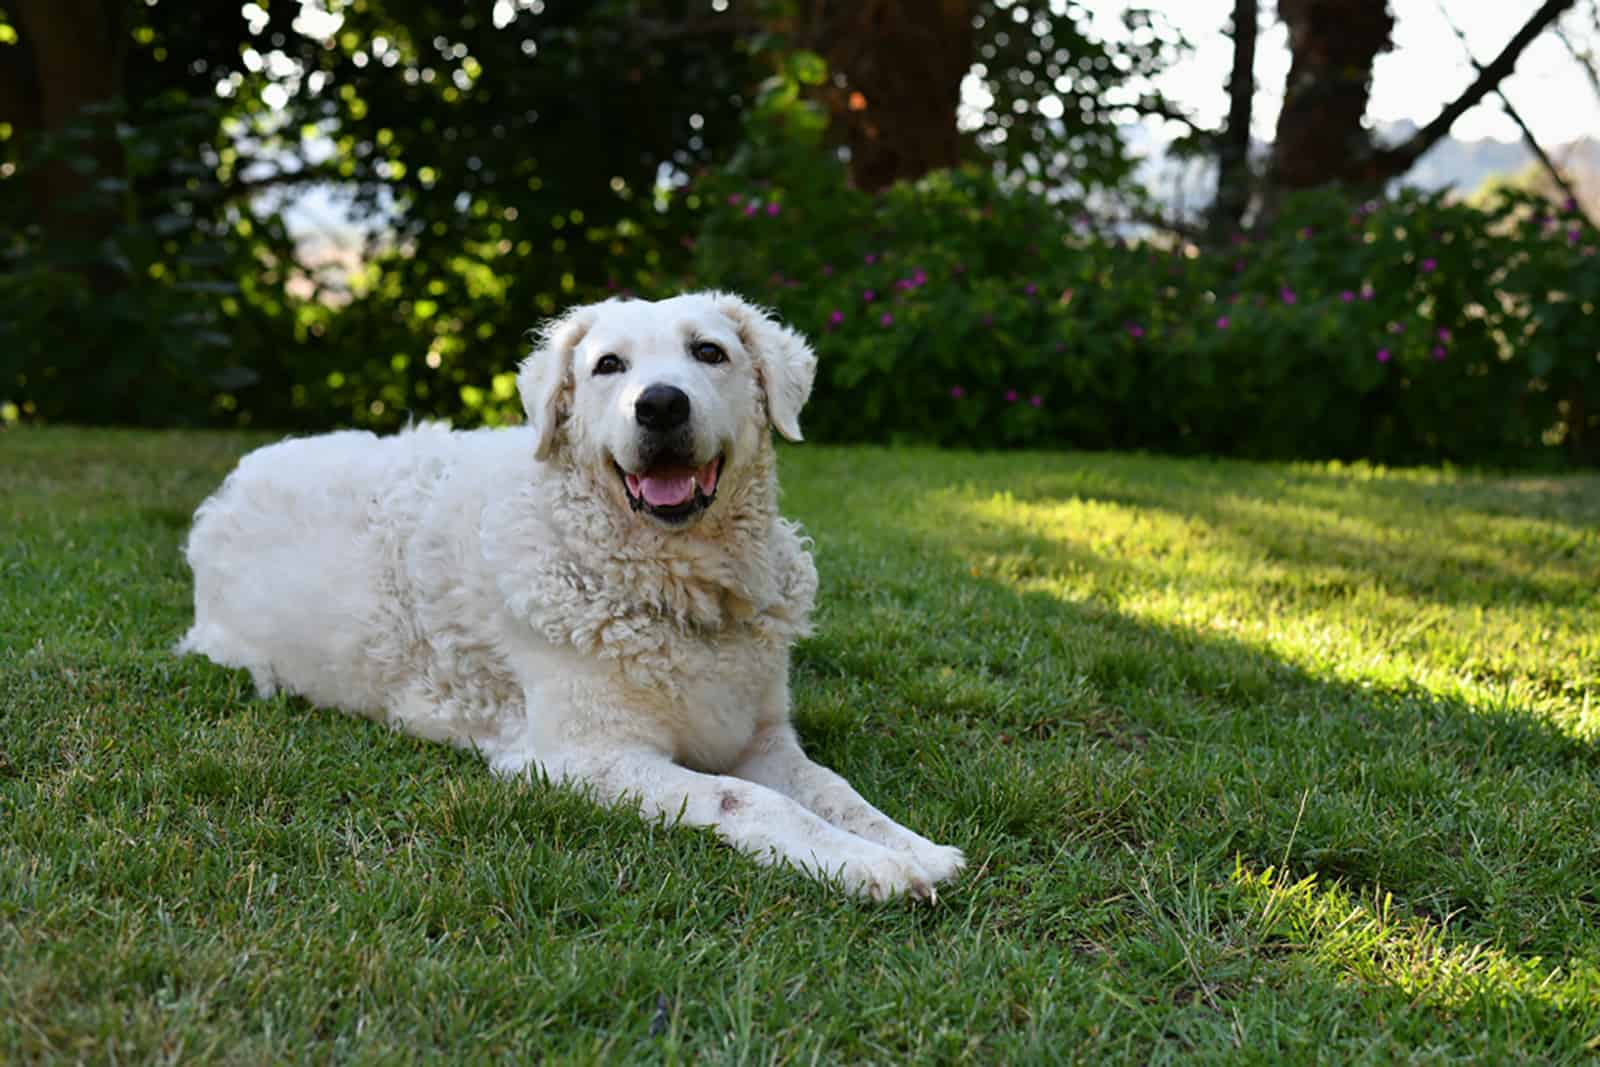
(610, 363)
(706, 352)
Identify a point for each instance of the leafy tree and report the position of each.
(510, 153)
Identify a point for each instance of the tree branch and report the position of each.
(239, 186)
(1392, 162)
(1585, 59)
(1527, 134)
(1157, 107)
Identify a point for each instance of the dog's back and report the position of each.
(299, 561)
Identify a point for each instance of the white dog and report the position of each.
(606, 595)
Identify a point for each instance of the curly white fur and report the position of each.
(500, 590)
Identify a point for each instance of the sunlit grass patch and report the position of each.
(1373, 943)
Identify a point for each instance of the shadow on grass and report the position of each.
(1114, 732)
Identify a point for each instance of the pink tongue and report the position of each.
(671, 490)
(660, 492)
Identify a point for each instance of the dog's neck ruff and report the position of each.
(589, 571)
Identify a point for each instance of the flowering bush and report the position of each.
(956, 312)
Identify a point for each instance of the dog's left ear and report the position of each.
(545, 378)
(782, 357)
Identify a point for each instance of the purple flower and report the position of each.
(1135, 330)
(1238, 266)
(956, 392)
(1430, 265)
(869, 295)
(1438, 351)
(871, 258)
(887, 319)
(1569, 204)
(1287, 294)
(1383, 355)
(1011, 396)
(1222, 323)
(751, 208)
(1030, 288)
(1347, 296)
(827, 270)
(1445, 335)
(1305, 234)
(1574, 235)
(773, 209)
(836, 318)
(735, 198)
(920, 277)
(1036, 400)
(1397, 327)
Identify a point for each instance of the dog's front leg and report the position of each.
(775, 760)
(752, 818)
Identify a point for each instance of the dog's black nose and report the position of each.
(662, 407)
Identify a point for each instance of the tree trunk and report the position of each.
(1233, 151)
(76, 49)
(1320, 136)
(901, 63)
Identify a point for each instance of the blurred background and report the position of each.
(1302, 228)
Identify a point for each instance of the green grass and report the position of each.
(1252, 763)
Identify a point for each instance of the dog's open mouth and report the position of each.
(673, 492)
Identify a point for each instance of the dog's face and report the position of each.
(665, 401)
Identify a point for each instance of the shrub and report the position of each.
(956, 311)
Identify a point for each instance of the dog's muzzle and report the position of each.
(672, 487)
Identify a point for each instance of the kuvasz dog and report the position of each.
(606, 596)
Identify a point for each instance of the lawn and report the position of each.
(1251, 763)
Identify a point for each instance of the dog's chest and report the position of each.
(709, 695)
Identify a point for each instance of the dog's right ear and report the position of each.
(545, 378)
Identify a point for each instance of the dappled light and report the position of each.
(1428, 588)
(1371, 942)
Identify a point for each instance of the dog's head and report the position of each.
(667, 399)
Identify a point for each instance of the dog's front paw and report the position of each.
(941, 862)
(883, 874)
